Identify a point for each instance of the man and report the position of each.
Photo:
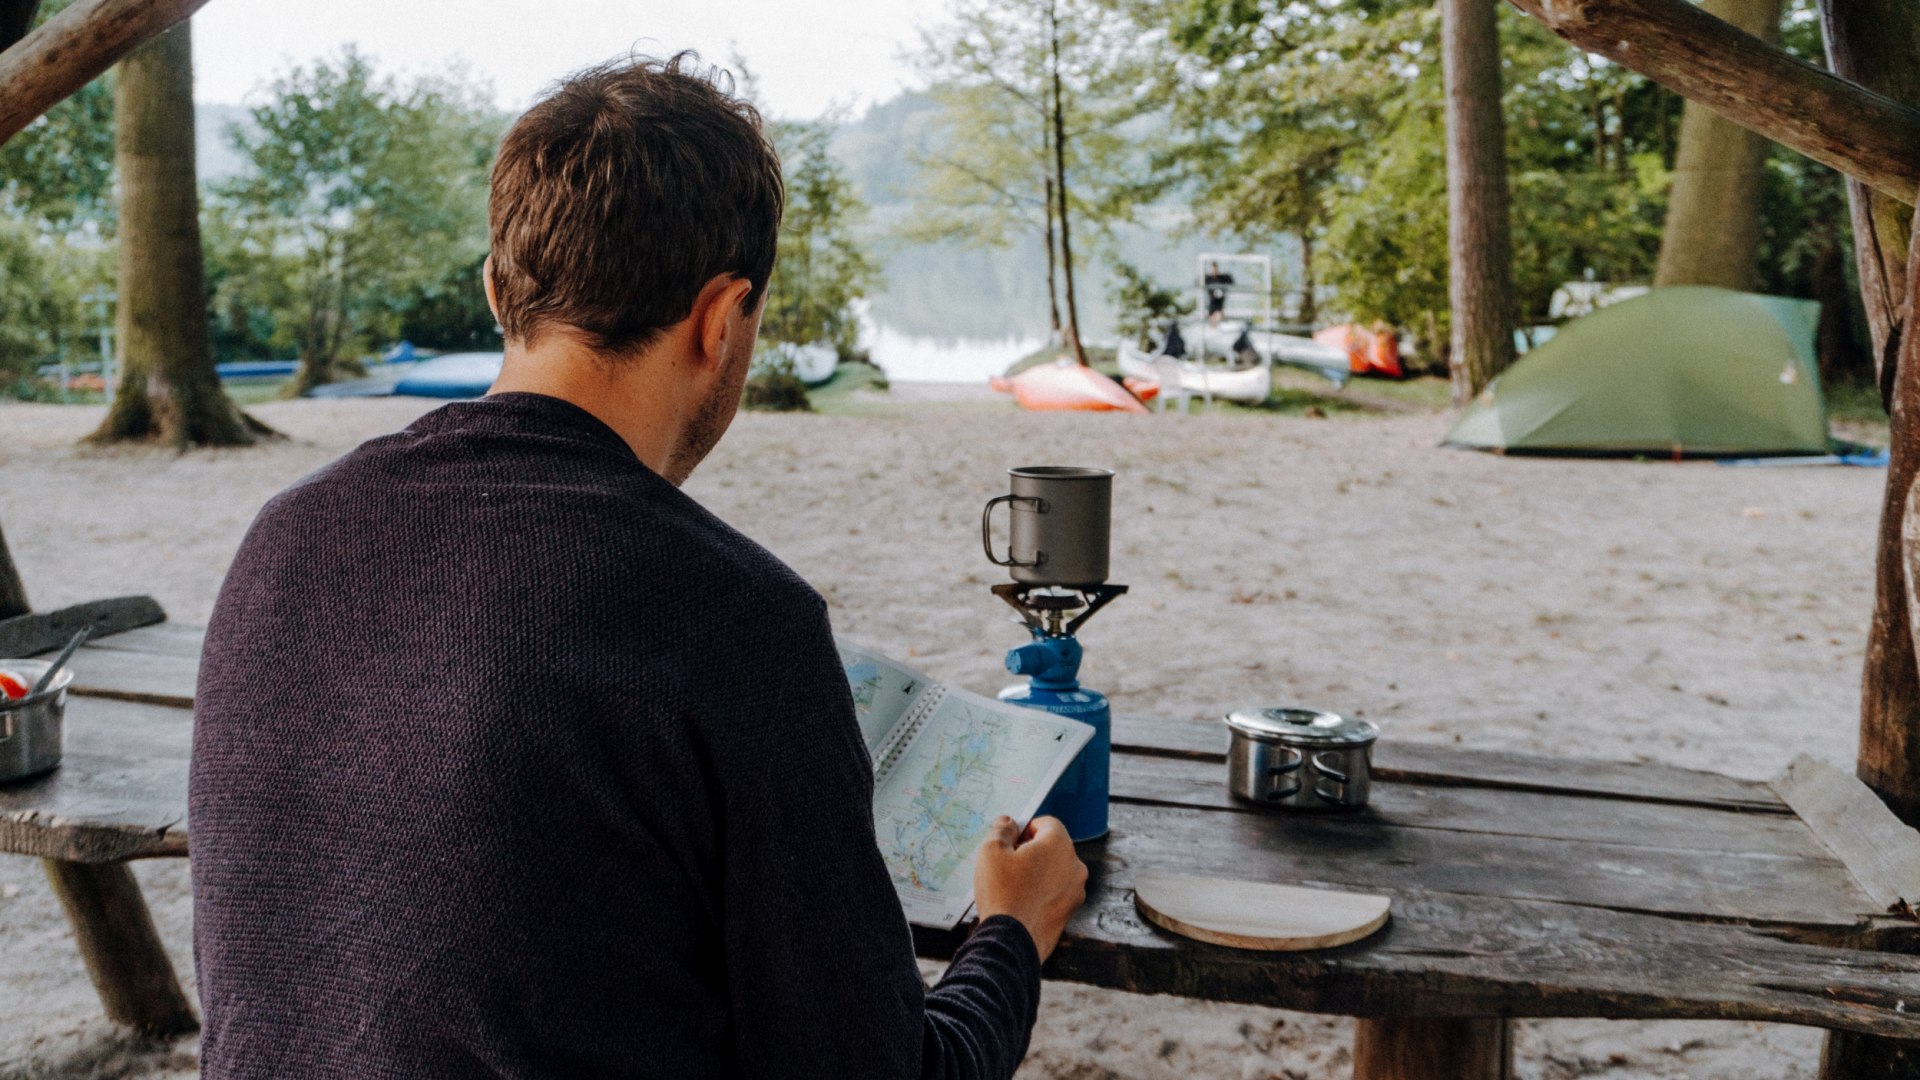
(511, 760)
(1218, 284)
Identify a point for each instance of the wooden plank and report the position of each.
(1452, 954)
(45, 631)
(1495, 811)
(1393, 759)
(1363, 853)
(127, 675)
(160, 639)
(120, 791)
(1882, 853)
(123, 953)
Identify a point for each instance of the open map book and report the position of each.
(945, 764)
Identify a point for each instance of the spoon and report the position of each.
(60, 661)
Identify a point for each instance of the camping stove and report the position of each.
(1051, 663)
(1058, 557)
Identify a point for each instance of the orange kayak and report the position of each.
(1368, 353)
(1064, 386)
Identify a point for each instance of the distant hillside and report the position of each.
(879, 148)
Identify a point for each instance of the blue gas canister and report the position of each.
(1051, 663)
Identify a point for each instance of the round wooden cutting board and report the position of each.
(1256, 915)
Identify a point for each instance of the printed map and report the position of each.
(970, 764)
(880, 694)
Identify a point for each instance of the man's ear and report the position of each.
(486, 282)
(715, 316)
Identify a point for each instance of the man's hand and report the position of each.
(1033, 876)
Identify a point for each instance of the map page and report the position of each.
(882, 691)
(961, 761)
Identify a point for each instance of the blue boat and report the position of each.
(257, 369)
(456, 375)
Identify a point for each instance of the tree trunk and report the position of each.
(1053, 257)
(1875, 43)
(1712, 234)
(1479, 233)
(168, 391)
(1309, 305)
(1060, 184)
(13, 593)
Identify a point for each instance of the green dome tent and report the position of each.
(1688, 369)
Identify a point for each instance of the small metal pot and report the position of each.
(31, 727)
(1300, 759)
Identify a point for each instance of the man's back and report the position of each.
(497, 736)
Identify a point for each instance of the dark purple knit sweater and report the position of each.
(510, 760)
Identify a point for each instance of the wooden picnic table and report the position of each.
(1522, 886)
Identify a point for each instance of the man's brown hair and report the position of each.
(621, 194)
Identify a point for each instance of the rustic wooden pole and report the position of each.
(1433, 1048)
(1866, 135)
(73, 47)
(1479, 226)
(1889, 760)
(129, 966)
(13, 593)
(1875, 43)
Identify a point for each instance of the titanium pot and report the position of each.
(1300, 759)
(31, 727)
(1061, 520)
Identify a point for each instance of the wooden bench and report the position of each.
(1522, 886)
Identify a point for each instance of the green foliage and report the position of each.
(1325, 120)
(45, 321)
(1144, 305)
(773, 387)
(363, 203)
(991, 67)
(823, 268)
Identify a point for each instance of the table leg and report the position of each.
(1869, 1057)
(1433, 1048)
(129, 966)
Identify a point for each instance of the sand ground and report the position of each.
(1687, 614)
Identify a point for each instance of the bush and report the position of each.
(776, 390)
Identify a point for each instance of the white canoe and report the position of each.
(1326, 361)
(1234, 384)
(814, 364)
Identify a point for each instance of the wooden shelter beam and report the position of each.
(71, 49)
(1865, 135)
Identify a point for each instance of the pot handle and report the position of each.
(986, 529)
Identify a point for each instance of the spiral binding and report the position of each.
(903, 733)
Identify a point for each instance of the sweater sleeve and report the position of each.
(819, 959)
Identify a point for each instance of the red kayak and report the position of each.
(1064, 386)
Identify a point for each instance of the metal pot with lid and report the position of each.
(32, 727)
(1301, 759)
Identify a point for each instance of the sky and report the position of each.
(808, 55)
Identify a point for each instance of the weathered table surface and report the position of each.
(1521, 886)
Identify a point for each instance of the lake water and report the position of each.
(921, 358)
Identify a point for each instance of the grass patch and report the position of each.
(1854, 413)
